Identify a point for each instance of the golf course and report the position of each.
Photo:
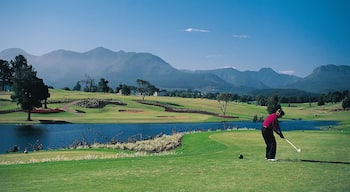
(204, 161)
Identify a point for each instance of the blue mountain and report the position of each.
(64, 68)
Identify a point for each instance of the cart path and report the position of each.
(67, 109)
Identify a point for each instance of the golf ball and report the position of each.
(299, 150)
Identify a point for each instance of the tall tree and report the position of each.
(45, 94)
(77, 87)
(124, 89)
(321, 100)
(223, 99)
(346, 102)
(29, 90)
(6, 73)
(103, 86)
(90, 85)
(261, 100)
(143, 88)
(272, 104)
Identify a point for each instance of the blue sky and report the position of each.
(289, 36)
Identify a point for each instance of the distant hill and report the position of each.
(265, 78)
(10, 54)
(62, 68)
(324, 79)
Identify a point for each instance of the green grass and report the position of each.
(154, 114)
(206, 162)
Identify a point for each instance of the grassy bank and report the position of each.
(205, 162)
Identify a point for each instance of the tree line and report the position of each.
(144, 87)
(89, 85)
(262, 100)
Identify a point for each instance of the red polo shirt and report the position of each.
(271, 122)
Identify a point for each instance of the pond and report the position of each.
(55, 136)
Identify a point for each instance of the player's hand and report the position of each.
(281, 135)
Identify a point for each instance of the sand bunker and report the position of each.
(176, 117)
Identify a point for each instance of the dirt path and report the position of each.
(67, 109)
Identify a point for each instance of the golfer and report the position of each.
(271, 125)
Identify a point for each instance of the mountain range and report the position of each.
(62, 68)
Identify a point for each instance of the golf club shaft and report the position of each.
(292, 144)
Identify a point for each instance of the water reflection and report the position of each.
(30, 131)
(24, 138)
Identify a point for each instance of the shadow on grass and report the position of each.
(313, 161)
(319, 161)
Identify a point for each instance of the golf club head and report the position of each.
(297, 149)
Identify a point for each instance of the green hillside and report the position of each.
(134, 112)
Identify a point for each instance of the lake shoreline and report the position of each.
(54, 136)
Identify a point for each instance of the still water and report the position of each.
(54, 136)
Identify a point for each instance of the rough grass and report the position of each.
(156, 145)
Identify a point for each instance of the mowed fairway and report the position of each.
(206, 162)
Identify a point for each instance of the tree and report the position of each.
(45, 94)
(90, 85)
(124, 89)
(152, 89)
(261, 101)
(103, 86)
(145, 88)
(346, 102)
(336, 96)
(77, 87)
(321, 101)
(29, 90)
(6, 74)
(223, 99)
(272, 104)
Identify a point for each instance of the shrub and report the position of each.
(156, 145)
(346, 103)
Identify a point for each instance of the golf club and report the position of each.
(297, 149)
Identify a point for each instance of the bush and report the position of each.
(258, 119)
(346, 103)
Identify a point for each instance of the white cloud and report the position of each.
(229, 66)
(241, 36)
(214, 56)
(287, 72)
(196, 30)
